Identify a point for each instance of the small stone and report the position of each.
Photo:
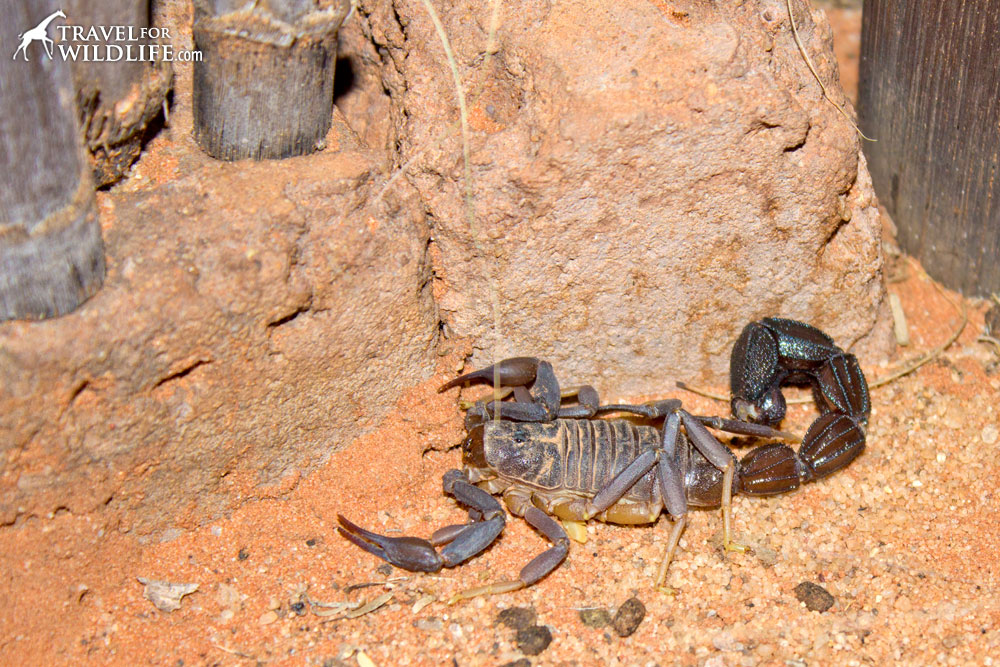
(384, 569)
(517, 618)
(268, 617)
(533, 639)
(523, 662)
(429, 624)
(724, 641)
(628, 617)
(767, 556)
(990, 434)
(299, 608)
(243, 554)
(814, 596)
(595, 618)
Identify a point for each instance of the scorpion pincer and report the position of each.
(776, 352)
(550, 460)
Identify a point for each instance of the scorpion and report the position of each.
(553, 461)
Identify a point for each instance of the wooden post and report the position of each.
(264, 88)
(51, 254)
(929, 93)
(116, 100)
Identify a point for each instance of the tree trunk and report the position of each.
(264, 88)
(930, 96)
(51, 253)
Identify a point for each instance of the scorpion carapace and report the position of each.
(776, 352)
(547, 459)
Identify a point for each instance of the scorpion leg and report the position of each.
(671, 481)
(538, 567)
(462, 542)
(720, 457)
(587, 400)
(651, 410)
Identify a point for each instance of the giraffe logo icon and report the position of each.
(38, 34)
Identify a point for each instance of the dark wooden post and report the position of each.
(264, 88)
(929, 93)
(51, 254)
(117, 100)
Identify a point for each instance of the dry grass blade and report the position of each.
(822, 86)
(470, 211)
(916, 363)
(369, 607)
(701, 392)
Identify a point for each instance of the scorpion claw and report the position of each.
(410, 553)
(510, 372)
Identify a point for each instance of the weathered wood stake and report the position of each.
(264, 88)
(929, 93)
(51, 253)
(117, 100)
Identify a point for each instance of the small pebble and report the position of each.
(268, 617)
(724, 641)
(299, 608)
(384, 569)
(533, 639)
(243, 554)
(595, 618)
(523, 662)
(815, 597)
(429, 624)
(517, 618)
(628, 617)
(990, 434)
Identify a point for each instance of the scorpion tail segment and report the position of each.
(518, 371)
(409, 553)
(832, 442)
(753, 364)
(769, 470)
(842, 388)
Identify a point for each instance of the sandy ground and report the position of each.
(905, 541)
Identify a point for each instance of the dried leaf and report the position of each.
(164, 595)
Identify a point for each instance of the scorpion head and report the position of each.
(474, 456)
(767, 409)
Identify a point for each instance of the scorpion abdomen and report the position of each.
(572, 456)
